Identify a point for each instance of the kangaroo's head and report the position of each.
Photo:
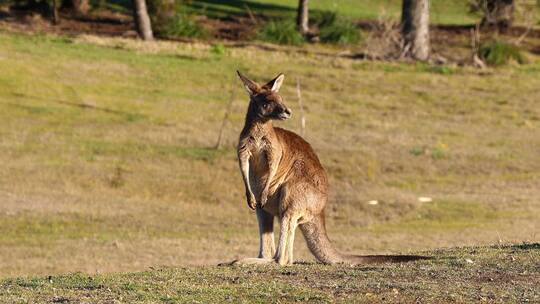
(265, 102)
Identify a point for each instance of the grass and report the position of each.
(183, 25)
(470, 274)
(442, 12)
(108, 165)
(340, 32)
(281, 32)
(324, 18)
(499, 53)
(335, 29)
(446, 216)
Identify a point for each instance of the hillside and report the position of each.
(108, 159)
(497, 274)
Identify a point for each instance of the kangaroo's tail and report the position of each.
(320, 246)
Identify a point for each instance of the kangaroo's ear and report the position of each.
(251, 86)
(275, 83)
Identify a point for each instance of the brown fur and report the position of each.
(284, 178)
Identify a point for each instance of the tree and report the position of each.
(415, 28)
(302, 18)
(55, 14)
(142, 20)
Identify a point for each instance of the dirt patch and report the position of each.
(236, 28)
(104, 23)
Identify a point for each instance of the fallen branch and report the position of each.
(251, 15)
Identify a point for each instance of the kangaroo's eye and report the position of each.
(266, 106)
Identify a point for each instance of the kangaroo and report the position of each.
(284, 178)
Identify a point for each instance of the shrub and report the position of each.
(333, 29)
(340, 32)
(324, 18)
(183, 25)
(169, 20)
(282, 32)
(161, 13)
(500, 53)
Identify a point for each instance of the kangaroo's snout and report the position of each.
(285, 113)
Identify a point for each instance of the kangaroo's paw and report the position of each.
(250, 261)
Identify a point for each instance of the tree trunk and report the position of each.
(142, 20)
(55, 15)
(80, 7)
(499, 13)
(302, 19)
(415, 28)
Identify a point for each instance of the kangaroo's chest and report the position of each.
(258, 160)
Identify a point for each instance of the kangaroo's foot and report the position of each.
(249, 261)
(283, 261)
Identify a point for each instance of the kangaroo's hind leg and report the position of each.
(266, 236)
(267, 247)
(290, 243)
(286, 239)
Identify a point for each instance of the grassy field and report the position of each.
(506, 274)
(107, 158)
(442, 11)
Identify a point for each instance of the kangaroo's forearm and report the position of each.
(244, 168)
(243, 159)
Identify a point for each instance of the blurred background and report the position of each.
(119, 120)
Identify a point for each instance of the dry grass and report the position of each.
(105, 146)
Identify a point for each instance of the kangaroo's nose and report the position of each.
(287, 111)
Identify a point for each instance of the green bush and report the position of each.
(333, 29)
(324, 18)
(183, 25)
(340, 32)
(170, 21)
(161, 12)
(500, 53)
(282, 32)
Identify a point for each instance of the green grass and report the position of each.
(442, 12)
(183, 26)
(470, 274)
(499, 53)
(447, 216)
(340, 32)
(281, 32)
(108, 164)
